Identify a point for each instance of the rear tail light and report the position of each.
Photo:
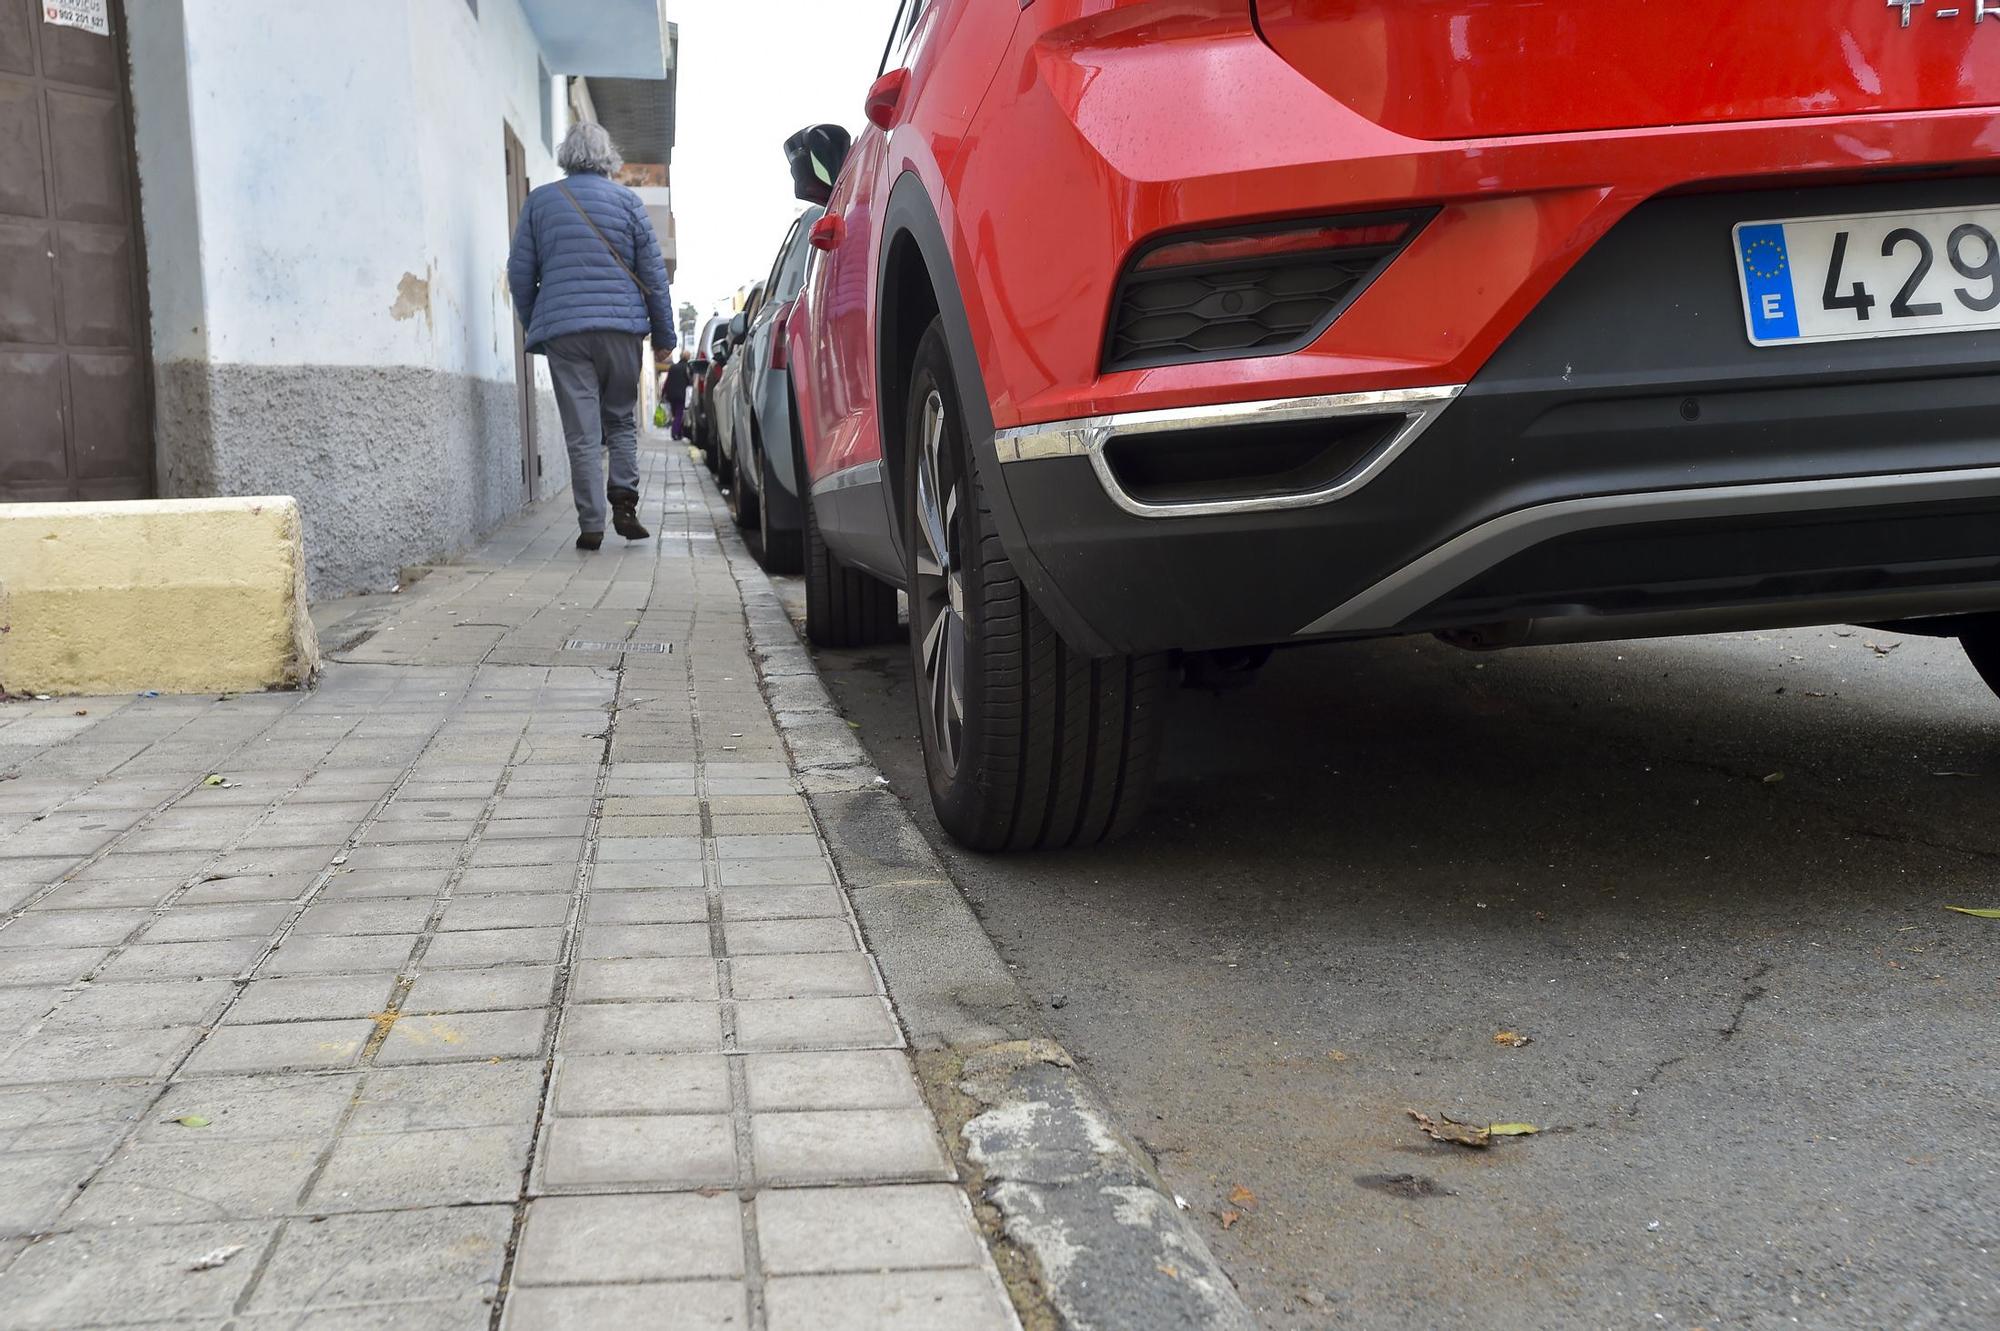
(778, 338)
(1255, 291)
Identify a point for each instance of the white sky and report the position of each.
(752, 72)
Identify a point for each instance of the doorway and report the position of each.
(75, 388)
(524, 364)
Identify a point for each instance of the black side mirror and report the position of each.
(739, 324)
(815, 154)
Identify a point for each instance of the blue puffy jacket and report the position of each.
(565, 281)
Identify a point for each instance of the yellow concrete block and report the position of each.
(179, 595)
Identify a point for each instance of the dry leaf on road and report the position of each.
(1983, 912)
(1511, 1039)
(1444, 1130)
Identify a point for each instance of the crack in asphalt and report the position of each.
(1752, 990)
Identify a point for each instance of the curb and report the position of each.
(1087, 1235)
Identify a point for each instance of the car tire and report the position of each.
(844, 606)
(742, 501)
(782, 550)
(1043, 747)
(1982, 645)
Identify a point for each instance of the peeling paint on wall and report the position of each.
(413, 297)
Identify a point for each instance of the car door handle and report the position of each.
(885, 98)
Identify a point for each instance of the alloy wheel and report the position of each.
(939, 603)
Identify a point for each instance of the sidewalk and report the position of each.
(502, 980)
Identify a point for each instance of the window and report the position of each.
(548, 106)
(907, 14)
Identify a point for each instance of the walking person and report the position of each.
(589, 285)
(675, 390)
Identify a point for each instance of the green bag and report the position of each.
(660, 416)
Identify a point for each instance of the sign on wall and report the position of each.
(90, 15)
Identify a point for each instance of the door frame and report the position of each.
(524, 364)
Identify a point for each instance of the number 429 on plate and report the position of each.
(1824, 279)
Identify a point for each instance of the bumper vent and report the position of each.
(1168, 311)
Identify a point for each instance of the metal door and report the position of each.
(524, 364)
(75, 400)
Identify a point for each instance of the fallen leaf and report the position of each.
(1444, 1130)
(1774, 778)
(212, 779)
(1337, 1055)
(1230, 1217)
(1983, 912)
(192, 1121)
(208, 1261)
(1511, 1039)
(1512, 1129)
(1242, 1196)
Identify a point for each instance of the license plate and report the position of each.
(1826, 279)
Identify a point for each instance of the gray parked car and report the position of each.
(760, 464)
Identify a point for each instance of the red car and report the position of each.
(1157, 332)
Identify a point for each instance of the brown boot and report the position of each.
(589, 540)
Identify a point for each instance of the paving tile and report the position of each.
(650, 825)
(684, 1305)
(403, 834)
(96, 1055)
(281, 1047)
(772, 872)
(452, 1167)
(643, 940)
(311, 997)
(964, 1300)
(140, 892)
(548, 828)
(758, 937)
(527, 851)
(467, 1095)
(457, 1037)
(518, 878)
(641, 1084)
(819, 1230)
(21, 1008)
(389, 1257)
(803, 975)
(297, 859)
(153, 864)
(756, 847)
(624, 877)
(143, 1004)
(50, 965)
(402, 858)
(34, 1188)
(423, 1315)
(221, 958)
(648, 849)
(641, 1028)
(518, 910)
(68, 928)
(96, 1277)
(779, 903)
(748, 824)
(183, 1182)
(388, 916)
(841, 1146)
(815, 1023)
(662, 978)
(653, 1151)
(490, 947)
(371, 884)
(603, 1240)
(248, 1107)
(71, 1116)
(660, 905)
(477, 990)
(234, 889)
(646, 806)
(198, 924)
(858, 1079)
(319, 956)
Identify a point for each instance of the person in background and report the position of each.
(589, 284)
(674, 391)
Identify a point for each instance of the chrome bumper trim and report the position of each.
(1409, 589)
(1088, 436)
(862, 473)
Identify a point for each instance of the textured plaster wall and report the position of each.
(324, 194)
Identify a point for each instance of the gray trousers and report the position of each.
(597, 391)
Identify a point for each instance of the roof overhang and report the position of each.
(639, 113)
(612, 38)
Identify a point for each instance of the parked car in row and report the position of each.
(759, 462)
(727, 393)
(711, 349)
(1264, 322)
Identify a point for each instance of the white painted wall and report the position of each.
(348, 179)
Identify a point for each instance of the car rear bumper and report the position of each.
(1625, 464)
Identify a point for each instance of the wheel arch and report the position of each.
(916, 281)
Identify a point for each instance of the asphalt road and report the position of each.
(1705, 878)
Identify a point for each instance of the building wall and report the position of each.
(323, 188)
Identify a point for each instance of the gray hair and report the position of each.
(588, 148)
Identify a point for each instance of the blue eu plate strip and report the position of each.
(1767, 277)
